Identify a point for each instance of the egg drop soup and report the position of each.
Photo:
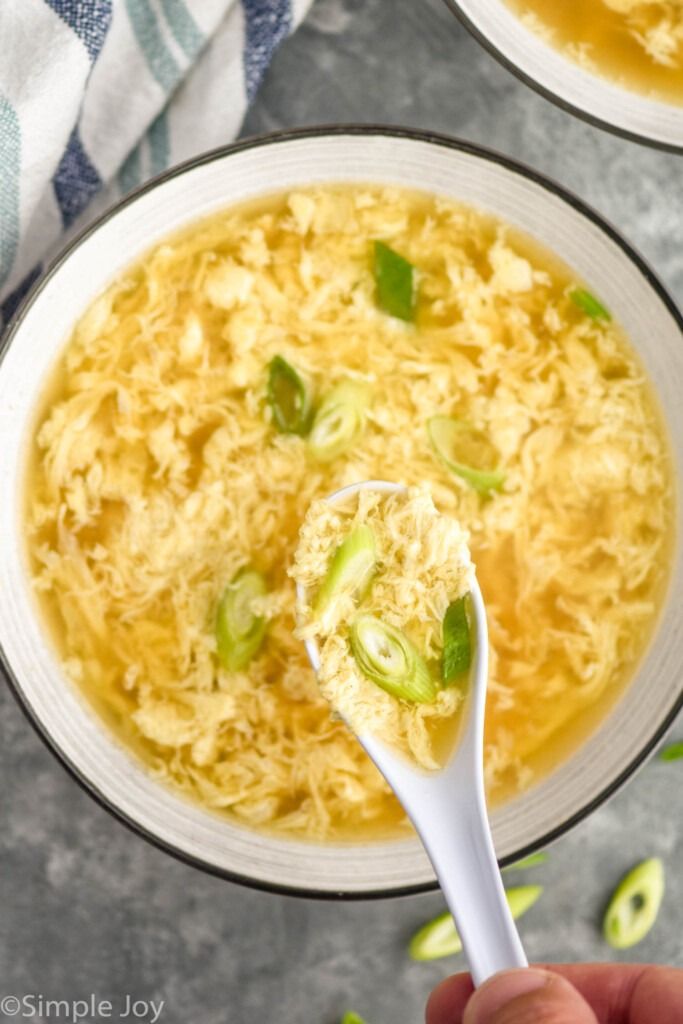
(164, 469)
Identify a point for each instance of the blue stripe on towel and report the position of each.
(10, 166)
(268, 22)
(12, 301)
(89, 19)
(159, 58)
(185, 30)
(75, 181)
(130, 172)
(158, 144)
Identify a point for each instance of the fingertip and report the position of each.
(447, 1002)
(502, 989)
(527, 994)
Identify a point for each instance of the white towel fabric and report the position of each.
(98, 95)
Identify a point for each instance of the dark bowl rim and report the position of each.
(219, 153)
(548, 94)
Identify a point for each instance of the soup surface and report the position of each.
(158, 474)
(636, 43)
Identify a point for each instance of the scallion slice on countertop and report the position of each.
(589, 305)
(534, 860)
(456, 656)
(339, 420)
(674, 752)
(395, 281)
(351, 569)
(239, 631)
(635, 904)
(440, 937)
(289, 398)
(467, 452)
(351, 1018)
(387, 657)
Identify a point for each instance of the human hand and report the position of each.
(563, 994)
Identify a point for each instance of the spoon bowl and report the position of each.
(448, 807)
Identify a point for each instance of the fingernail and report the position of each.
(500, 990)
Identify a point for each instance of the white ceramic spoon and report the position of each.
(448, 809)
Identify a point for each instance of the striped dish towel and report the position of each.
(97, 95)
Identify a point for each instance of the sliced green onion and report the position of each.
(589, 305)
(457, 644)
(387, 657)
(521, 898)
(533, 861)
(239, 632)
(674, 752)
(394, 277)
(440, 937)
(351, 1018)
(339, 420)
(288, 397)
(351, 569)
(467, 452)
(635, 904)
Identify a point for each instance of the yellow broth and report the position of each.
(157, 474)
(635, 43)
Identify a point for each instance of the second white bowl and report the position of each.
(546, 69)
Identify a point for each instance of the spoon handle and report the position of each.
(449, 814)
(462, 853)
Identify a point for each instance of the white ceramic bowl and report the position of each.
(592, 97)
(37, 335)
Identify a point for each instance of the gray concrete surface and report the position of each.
(87, 908)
